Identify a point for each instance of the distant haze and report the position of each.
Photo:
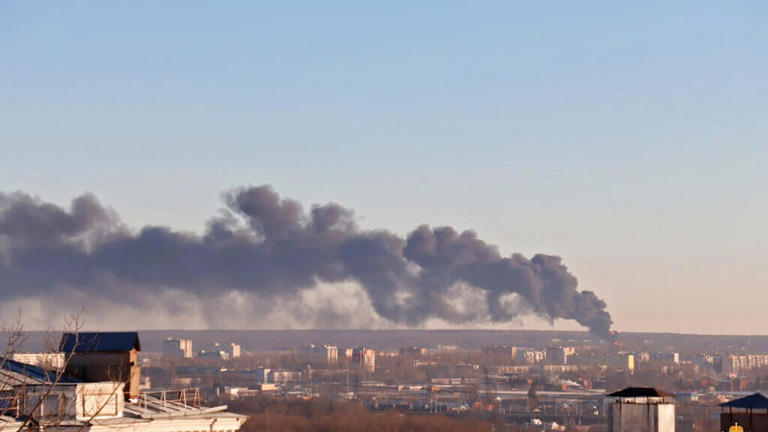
(264, 250)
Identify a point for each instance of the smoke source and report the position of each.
(269, 247)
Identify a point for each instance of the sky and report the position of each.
(628, 139)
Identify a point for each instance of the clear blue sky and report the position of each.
(629, 139)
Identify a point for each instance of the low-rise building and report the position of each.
(284, 376)
(413, 351)
(641, 409)
(42, 399)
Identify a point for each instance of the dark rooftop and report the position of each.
(753, 401)
(630, 392)
(99, 342)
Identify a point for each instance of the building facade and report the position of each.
(365, 358)
(177, 348)
(641, 409)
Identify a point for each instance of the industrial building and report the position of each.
(641, 409)
(95, 393)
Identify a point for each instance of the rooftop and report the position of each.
(638, 392)
(22, 373)
(753, 401)
(100, 342)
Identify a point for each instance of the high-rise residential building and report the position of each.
(559, 355)
(325, 355)
(233, 350)
(365, 358)
(177, 348)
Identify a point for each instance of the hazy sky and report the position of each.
(629, 139)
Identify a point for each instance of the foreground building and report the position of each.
(641, 409)
(36, 398)
(751, 413)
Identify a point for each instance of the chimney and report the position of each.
(104, 356)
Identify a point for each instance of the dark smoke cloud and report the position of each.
(263, 244)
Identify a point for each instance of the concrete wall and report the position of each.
(98, 366)
(636, 417)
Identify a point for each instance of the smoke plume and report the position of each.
(263, 248)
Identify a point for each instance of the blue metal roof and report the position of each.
(34, 372)
(99, 342)
(753, 401)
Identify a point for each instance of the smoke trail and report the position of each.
(263, 244)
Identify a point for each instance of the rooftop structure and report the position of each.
(38, 398)
(750, 412)
(104, 357)
(641, 409)
(100, 342)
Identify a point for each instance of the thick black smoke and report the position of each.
(267, 245)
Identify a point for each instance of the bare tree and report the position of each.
(26, 398)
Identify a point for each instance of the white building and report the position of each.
(283, 377)
(47, 360)
(667, 357)
(233, 350)
(325, 355)
(43, 400)
(530, 356)
(216, 352)
(262, 375)
(177, 348)
(365, 358)
(559, 355)
(641, 409)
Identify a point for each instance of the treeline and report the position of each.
(281, 415)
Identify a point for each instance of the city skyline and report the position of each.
(626, 139)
